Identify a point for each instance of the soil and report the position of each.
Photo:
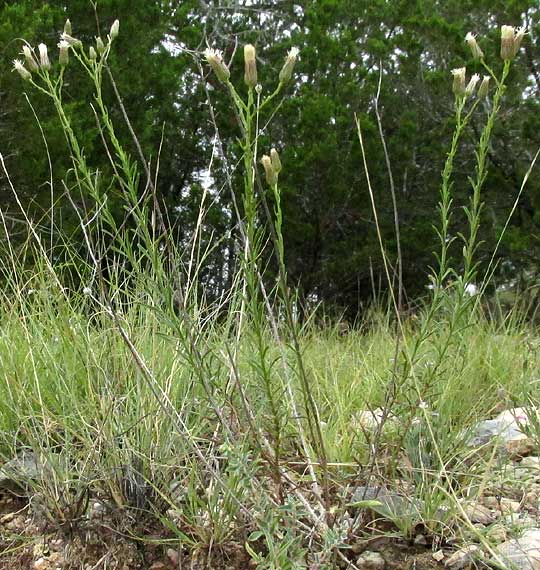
(25, 545)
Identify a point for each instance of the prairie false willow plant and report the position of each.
(49, 80)
(445, 276)
(464, 92)
(248, 111)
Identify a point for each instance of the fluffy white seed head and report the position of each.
(30, 58)
(100, 46)
(73, 42)
(483, 90)
(290, 61)
(18, 66)
(471, 86)
(63, 57)
(477, 53)
(507, 42)
(215, 59)
(458, 86)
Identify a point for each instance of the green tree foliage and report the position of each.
(346, 48)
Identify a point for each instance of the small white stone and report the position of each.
(461, 558)
(438, 556)
(371, 561)
(530, 462)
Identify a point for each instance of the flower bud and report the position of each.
(21, 70)
(100, 46)
(67, 28)
(30, 59)
(483, 90)
(471, 86)
(458, 86)
(92, 53)
(271, 175)
(276, 162)
(507, 42)
(44, 57)
(215, 59)
(115, 28)
(63, 57)
(477, 53)
(250, 74)
(287, 70)
(73, 42)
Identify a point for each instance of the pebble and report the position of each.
(532, 499)
(371, 561)
(503, 504)
(173, 556)
(7, 518)
(517, 448)
(369, 419)
(479, 513)
(497, 533)
(462, 558)
(531, 462)
(508, 427)
(438, 556)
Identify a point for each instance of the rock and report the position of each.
(438, 556)
(5, 519)
(420, 540)
(522, 474)
(532, 499)
(532, 462)
(19, 470)
(173, 556)
(508, 426)
(371, 561)
(521, 447)
(96, 510)
(521, 520)
(502, 504)
(478, 513)
(497, 533)
(508, 506)
(522, 553)
(369, 419)
(519, 416)
(462, 558)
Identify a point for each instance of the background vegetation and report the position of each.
(345, 48)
